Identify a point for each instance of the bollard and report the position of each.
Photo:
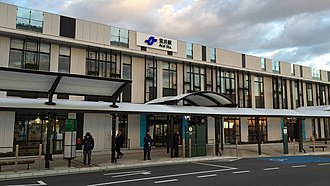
(294, 146)
(189, 148)
(183, 148)
(214, 151)
(236, 148)
(129, 144)
(313, 144)
(40, 152)
(16, 157)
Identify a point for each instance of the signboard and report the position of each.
(156, 42)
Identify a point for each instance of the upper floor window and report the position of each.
(276, 66)
(293, 71)
(28, 19)
(194, 78)
(309, 92)
(259, 91)
(189, 50)
(227, 84)
(150, 79)
(119, 37)
(316, 73)
(28, 54)
(212, 55)
(263, 64)
(169, 79)
(64, 59)
(127, 74)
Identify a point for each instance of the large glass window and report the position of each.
(276, 66)
(279, 93)
(64, 59)
(189, 50)
(232, 129)
(127, 74)
(150, 79)
(252, 130)
(322, 95)
(194, 78)
(28, 54)
(119, 37)
(309, 92)
(212, 55)
(28, 19)
(293, 71)
(259, 91)
(299, 94)
(316, 73)
(263, 64)
(209, 78)
(244, 90)
(226, 83)
(169, 79)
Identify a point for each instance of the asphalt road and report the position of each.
(298, 170)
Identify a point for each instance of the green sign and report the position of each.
(71, 125)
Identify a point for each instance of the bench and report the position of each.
(19, 162)
(318, 146)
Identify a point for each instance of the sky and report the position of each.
(294, 31)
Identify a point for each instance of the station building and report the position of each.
(158, 67)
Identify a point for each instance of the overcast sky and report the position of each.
(296, 31)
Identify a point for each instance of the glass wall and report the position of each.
(119, 37)
(252, 130)
(29, 54)
(169, 79)
(28, 19)
(194, 78)
(227, 83)
(232, 129)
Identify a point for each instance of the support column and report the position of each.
(221, 133)
(113, 138)
(258, 134)
(172, 134)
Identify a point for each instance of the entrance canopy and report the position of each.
(203, 98)
(52, 83)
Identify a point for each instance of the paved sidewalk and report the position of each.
(134, 158)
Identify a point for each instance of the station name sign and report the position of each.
(156, 42)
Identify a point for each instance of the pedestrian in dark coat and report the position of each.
(88, 143)
(147, 146)
(176, 142)
(119, 143)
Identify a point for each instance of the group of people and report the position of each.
(88, 143)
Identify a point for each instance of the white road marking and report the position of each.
(235, 159)
(299, 166)
(241, 172)
(116, 173)
(132, 174)
(212, 165)
(273, 168)
(166, 181)
(206, 176)
(322, 164)
(160, 177)
(39, 183)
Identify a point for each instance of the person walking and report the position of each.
(119, 143)
(88, 143)
(147, 146)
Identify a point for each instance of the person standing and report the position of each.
(88, 143)
(147, 146)
(176, 142)
(119, 143)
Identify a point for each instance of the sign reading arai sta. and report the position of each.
(156, 42)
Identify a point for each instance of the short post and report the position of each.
(129, 144)
(16, 157)
(214, 151)
(40, 152)
(313, 143)
(236, 148)
(189, 148)
(294, 146)
(183, 148)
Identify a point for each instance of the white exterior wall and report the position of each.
(7, 123)
(210, 129)
(134, 130)
(244, 129)
(99, 125)
(274, 129)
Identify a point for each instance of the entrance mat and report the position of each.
(296, 159)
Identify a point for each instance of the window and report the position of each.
(279, 93)
(28, 54)
(259, 91)
(103, 63)
(150, 79)
(276, 66)
(299, 94)
(244, 90)
(67, 27)
(243, 61)
(322, 95)
(232, 129)
(169, 79)
(263, 64)
(226, 83)
(119, 37)
(194, 78)
(189, 50)
(327, 128)
(316, 73)
(209, 78)
(28, 19)
(203, 53)
(252, 130)
(309, 92)
(293, 71)
(127, 74)
(123, 125)
(64, 59)
(212, 55)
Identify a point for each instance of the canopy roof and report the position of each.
(203, 98)
(53, 83)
